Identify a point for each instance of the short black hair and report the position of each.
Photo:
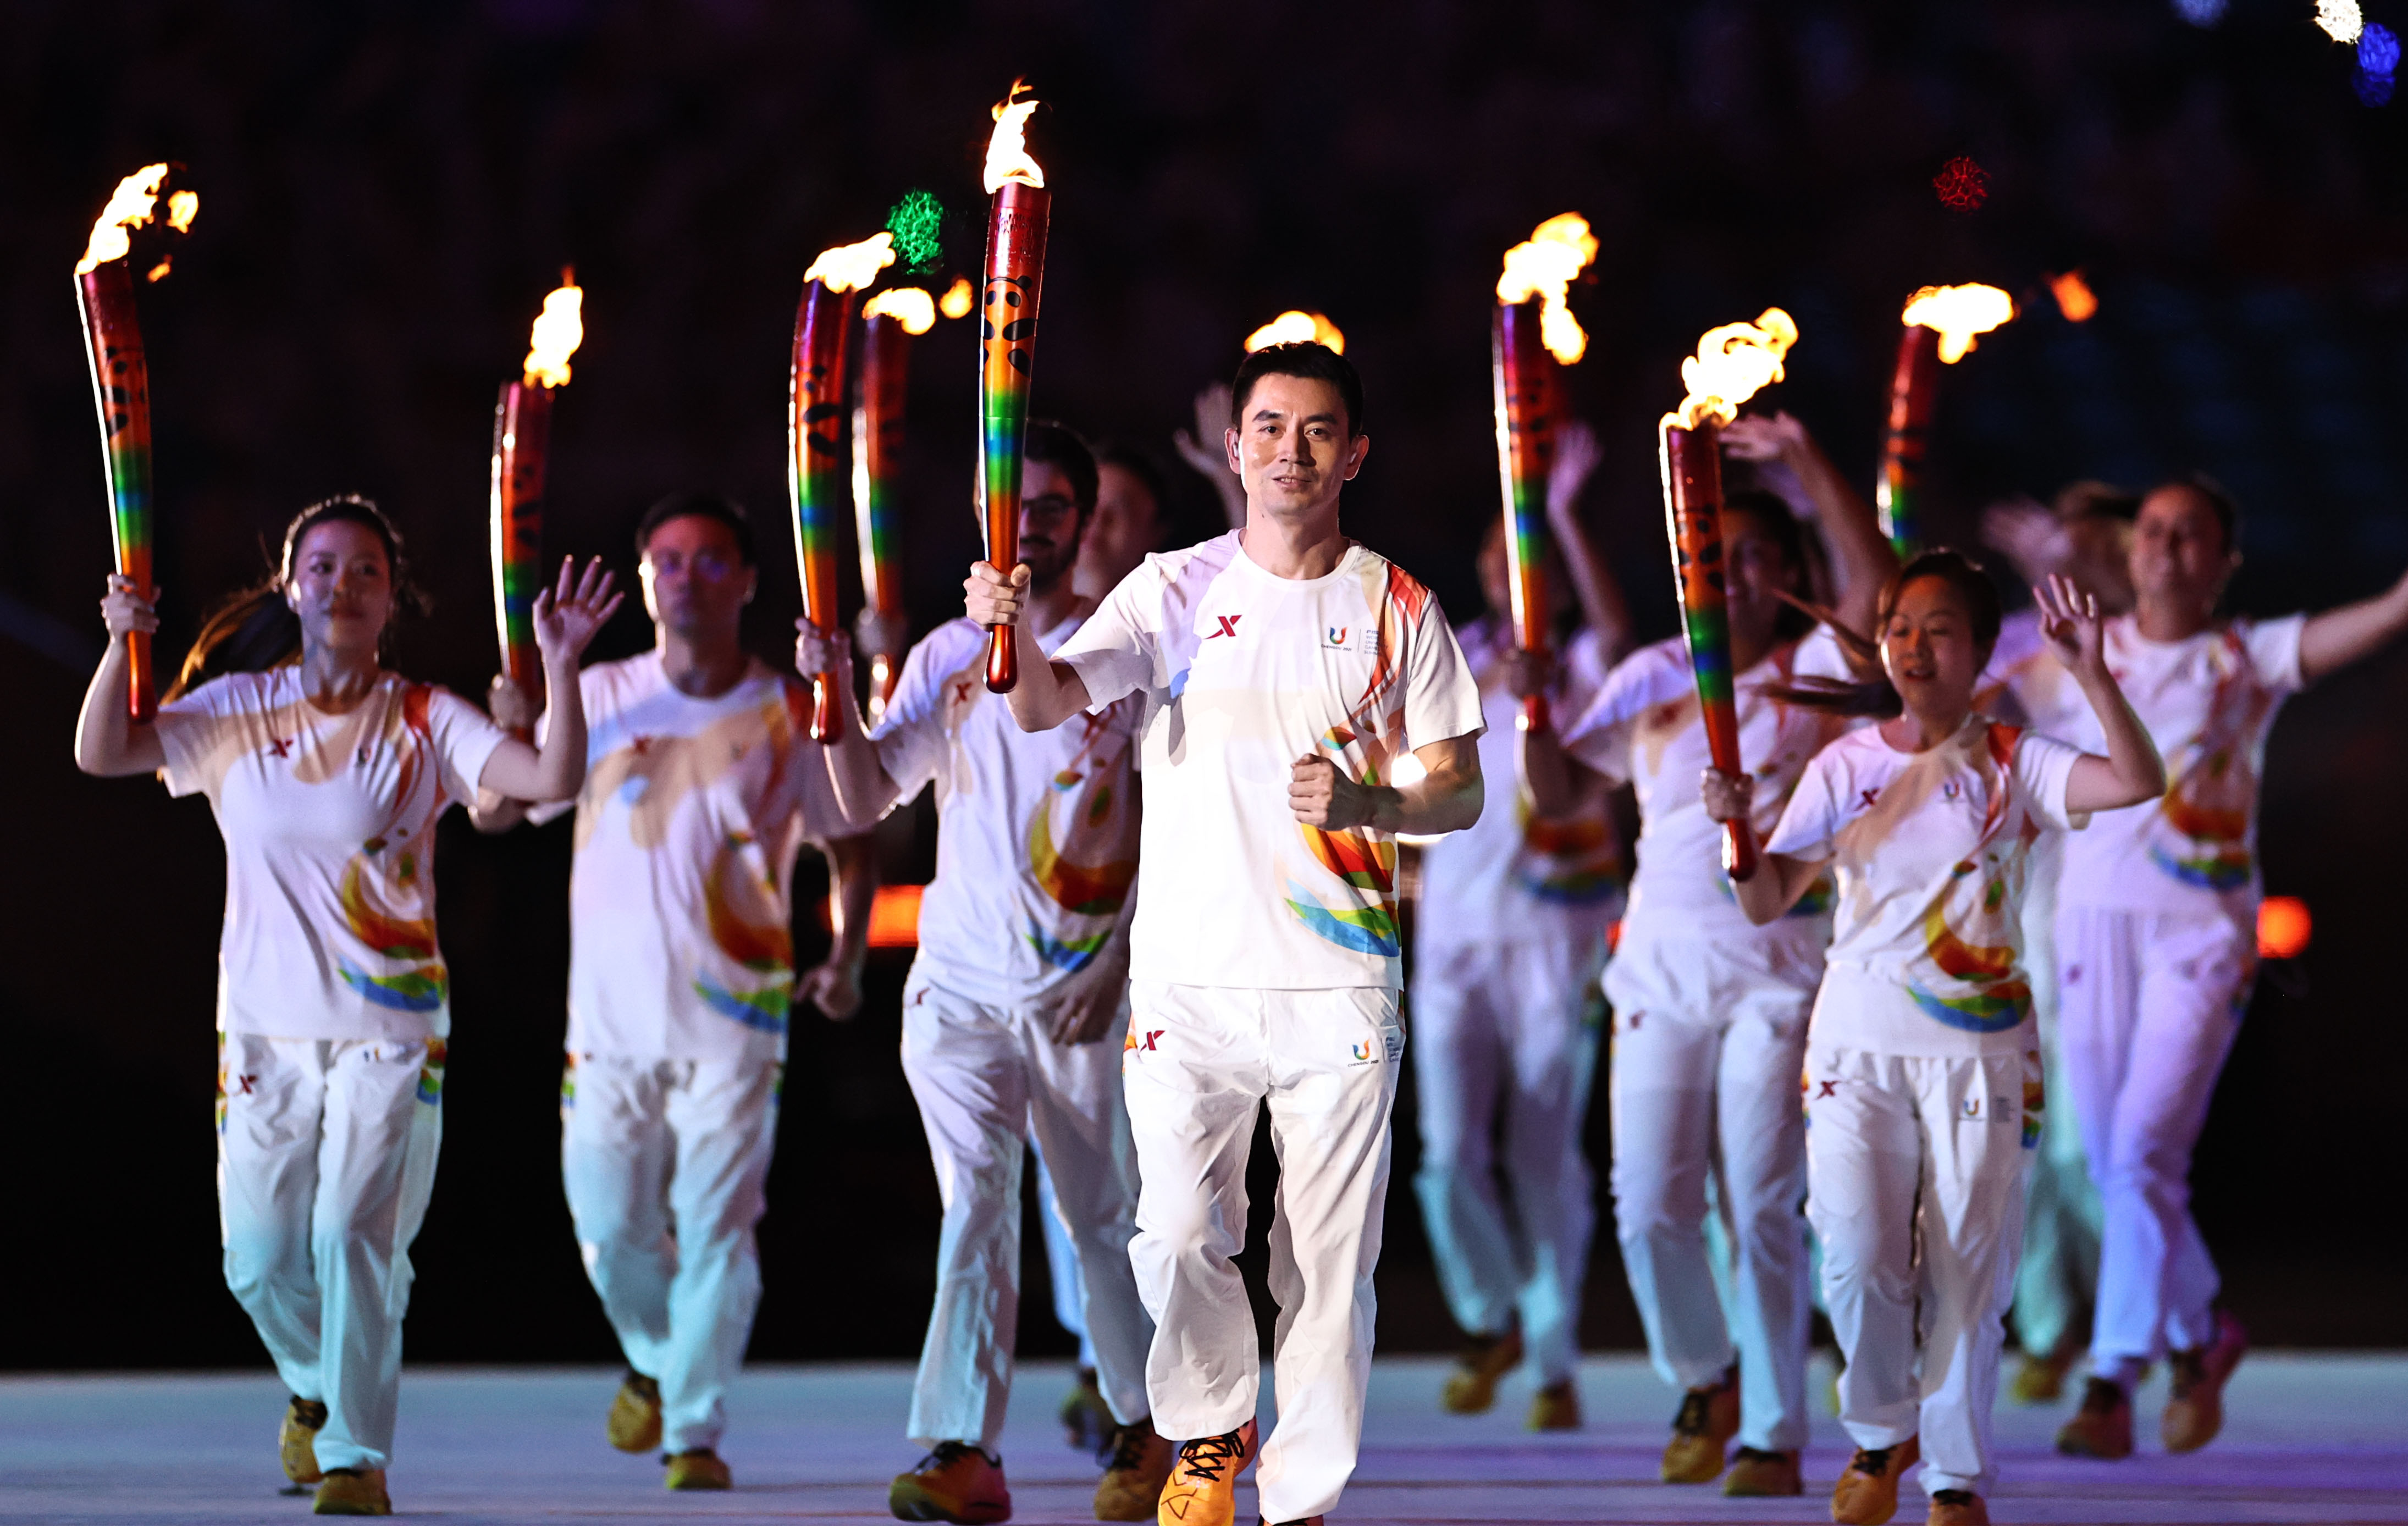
(701, 506)
(1138, 463)
(1058, 445)
(1306, 358)
(2226, 507)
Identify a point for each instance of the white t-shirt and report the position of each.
(1037, 832)
(1510, 878)
(1931, 851)
(329, 828)
(2209, 702)
(1240, 673)
(1644, 728)
(680, 898)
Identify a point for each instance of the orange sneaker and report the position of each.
(1957, 1507)
(1138, 1466)
(1867, 1494)
(1756, 1474)
(1709, 1418)
(296, 1439)
(1471, 1387)
(1203, 1487)
(2195, 1411)
(1557, 1408)
(2102, 1426)
(956, 1482)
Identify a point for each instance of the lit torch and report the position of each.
(522, 441)
(1015, 275)
(120, 385)
(1938, 328)
(1296, 327)
(1732, 364)
(889, 320)
(1535, 334)
(815, 421)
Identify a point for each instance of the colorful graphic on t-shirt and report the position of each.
(1575, 863)
(738, 883)
(2215, 790)
(1970, 932)
(390, 862)
(1098, 823)
(430, 1072)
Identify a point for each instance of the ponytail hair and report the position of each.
(255, 630)
(1877, 697)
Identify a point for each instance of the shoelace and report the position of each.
(1757, 1454)
(947, 1450)
(1870, 1462)
(1128, 1447)
(1694, 1419)
(1205, 1457)
(1952, 1496)
(309, 1412)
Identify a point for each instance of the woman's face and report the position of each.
(1928, 650)
(1756, 573)
(341, 587)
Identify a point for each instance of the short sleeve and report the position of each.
(2274, 646)
(1442, 697)
(1811, 822)
(1598, 735)
(189, 727)
(465, 738)
(1821, 656)
(2043, 767)
(910, 736)
(1114, 652)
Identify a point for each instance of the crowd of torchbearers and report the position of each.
(1982, 884)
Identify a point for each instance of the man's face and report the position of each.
(1048, 523)
(1125, 525)
(2178, 549)
(1292, 449)
(696, 582)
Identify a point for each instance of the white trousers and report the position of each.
(1708, 1039)
(2149, 1008)
(325, 1157)
(988, 1077)
(1062, 1263)
(1200, 1061)
(1918, 1199)
(667, 1166)
(1502, 1028)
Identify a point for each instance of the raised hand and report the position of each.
(1725, 796)
(990, 598)
(2070, 623)
(1760, 437)
(568, 614)
(1206, 451)
(1577, 454)
(126, 609)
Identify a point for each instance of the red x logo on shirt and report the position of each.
(1228, 625)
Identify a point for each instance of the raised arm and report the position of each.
(567, 616)
(1602, 607)
(514, 709)
(863, 790)
(1860, 553)
(1204, 452)
(2339, 637)
(109, 742)
(2131, 772)
(1780, 879)
(1049, 692)
(1446, 798)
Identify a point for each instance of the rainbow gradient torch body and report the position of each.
(1732, 363)
(890, 320)
(815, 447)
(1535, 334)
(1936, 328)
(521, 443)
(120, 388)
(1018, 208)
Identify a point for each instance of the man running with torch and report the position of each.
(1282, 670)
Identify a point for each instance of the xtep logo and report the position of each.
(1228, 626)
(1152, 1036)
(282, 745)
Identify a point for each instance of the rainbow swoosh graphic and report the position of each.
(1969, 932)
(766, 949)
(1089, 872)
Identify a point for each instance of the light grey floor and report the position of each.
(2311, 1438)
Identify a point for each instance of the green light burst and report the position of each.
(917, 222)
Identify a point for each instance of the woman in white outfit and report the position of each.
(326, 772)
(1923, 1067)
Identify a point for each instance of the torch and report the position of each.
(1294, 327)
(1731, 363)
(522, 439)
(1535, 334)
(889, 320)
(120, 385)
(815, 420)
(1936, 328)
(1015, 275)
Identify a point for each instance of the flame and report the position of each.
(1542, 266)
(2340, 19)
(2073, 296)
(956, 301)
(907, 304)
(559, 329)
(1957, 313)
(1006, 153)
(159, 272)
(849, 267)
(1732, 363)
(1294, 327)
(131, 205)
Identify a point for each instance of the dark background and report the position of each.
(389, 188)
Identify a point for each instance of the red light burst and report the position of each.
(1961, 184)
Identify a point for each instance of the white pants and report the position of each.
(1708, 1039)
(1504, 1028)
(1198, 1063)
(325, 1157)
(667, 1165)
(1062, 1263)
(986, 1078)
(1918, 1198)
(2149, 1010)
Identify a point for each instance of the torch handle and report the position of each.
(816, 461)
(823, 707)
(522, 447)
(120, 390)
(1693, 500)
(1002, 661)
(1534, 712)
(1914, 386)
(1017, 218)
(1526, 385)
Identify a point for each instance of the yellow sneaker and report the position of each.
(2195, 1410)
(1957, 1507)
(1557, 1408)
(1140, 1465)
(1709, 1418)
(1471, 1387)
(351, 1491)
(635, 1422)
(296, 1439)
(1756, 1474)
(2102, 1426)
(1867, 1494)
(1202, 1490)
(699, 1468)
(956, 1482)
(2041, 1379)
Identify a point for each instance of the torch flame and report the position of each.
(849, 267)
(1294, 327)
(956, 301)
(131, 205)
(2073, 295)
(1544, 266)
(1007, 151)
(559, 329)
(907, 304)
(2342, 19)
(1957, 313)
(1732, 364)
